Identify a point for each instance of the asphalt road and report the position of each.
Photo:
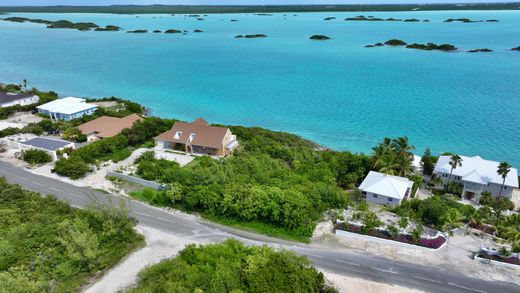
(426, 278)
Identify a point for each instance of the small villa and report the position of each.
(477, 175)
(13, 99)
(385, 189)
(67, 108)
(106, 126)
(46, 144)
(198, 137)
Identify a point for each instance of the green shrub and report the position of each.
(73, 167)
(48, 246)
(74, 134)
(232, 267)
(35, 157)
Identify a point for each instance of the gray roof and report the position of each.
(50, 144)
(10, 97)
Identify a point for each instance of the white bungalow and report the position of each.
(67, 108)
(13, 99)
(477, 175)
(385, 189)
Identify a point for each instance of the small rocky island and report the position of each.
(319, 37)
(427, 46)
(467, 20)
(198, 31)
(329, 18)
(65, 24)
(157, 31)
(395, 43)
(172, 31)
(432, 46)
(137, 32)
(375, 45)
(253, 36)
(108, 28)
(371, 18)
(516, 49)
(485, 50)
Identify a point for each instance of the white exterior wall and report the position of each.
(381, 199)
(21, 102)
(493, 188)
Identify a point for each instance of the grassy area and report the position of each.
(48, 246)
(260, 228)
(182, 9)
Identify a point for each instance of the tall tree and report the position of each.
(427, 162)
(503, 170)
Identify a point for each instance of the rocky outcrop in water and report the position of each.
(172, 31)
(485, 50)
(137, 32)
(108, 28)
(329, 18)
(254, 36)
(319, 37)
(467, 20)
(432, 46)
(395, 42)
(516, 49)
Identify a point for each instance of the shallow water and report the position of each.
(334, 92)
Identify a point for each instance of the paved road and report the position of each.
(426, 278)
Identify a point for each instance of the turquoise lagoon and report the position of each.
(335, 92)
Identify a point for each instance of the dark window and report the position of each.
(374, 195)
(390, 199)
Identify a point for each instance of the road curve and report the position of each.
(426, 278)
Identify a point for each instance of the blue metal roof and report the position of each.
(47, 143)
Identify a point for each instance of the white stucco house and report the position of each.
(67, 108)
(385, 189)
(13, 99)
(477, 175)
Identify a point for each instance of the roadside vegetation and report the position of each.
(276, 182)
(232, 267)
(48, 246)
(34, 156)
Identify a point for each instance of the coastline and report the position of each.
(345, 107)
(214, 9)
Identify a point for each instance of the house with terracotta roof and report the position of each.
(106, 126)
(385, 189)
(476, 176)
(198, 137)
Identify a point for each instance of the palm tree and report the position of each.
(387, 164)
(404, 155)
(503, 170)
(456, 161)
(381, 150)
(25, 84)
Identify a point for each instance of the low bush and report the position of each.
(73, 167)
(232, 267)
(48, 246)
(35, 157)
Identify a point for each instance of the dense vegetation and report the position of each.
(432, 46)
(180, 9)
(35, 156)
(64, 24)
(48, 246)
(232, 267)
(395, 42)
(276, 182)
